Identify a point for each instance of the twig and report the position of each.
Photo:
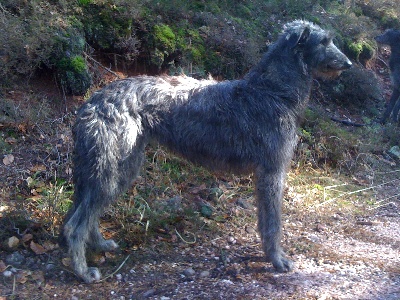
(184, 239)
(120, 266)
(383, 61)
(348, 123)
(100, 65)
(388, 172)
(353, 192)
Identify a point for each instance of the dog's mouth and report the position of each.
(327, 73)
(332, 71)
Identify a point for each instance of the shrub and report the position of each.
(356, 88)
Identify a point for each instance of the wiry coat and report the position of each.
(243, 126)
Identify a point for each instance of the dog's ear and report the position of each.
(299, 40)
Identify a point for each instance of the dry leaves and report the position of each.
(38, 249)
(3, 266)
(8, 159)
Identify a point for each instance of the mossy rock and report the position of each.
(360, 51)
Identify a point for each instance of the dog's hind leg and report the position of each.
(396, 99)
(76, 233)
(269, 190)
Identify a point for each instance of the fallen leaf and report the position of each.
(49, 246)
(38, 168)
(27, 237)
(34, 192)
(8, 159)
(22, 128)
(10, 140)
(66, 261)
(38, 249)
(22, 276)
(3, 266)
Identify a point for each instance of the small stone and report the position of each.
(314, 238)
(7, 273)
(118, 277)
(189, 272)
(243, 203)
(206, 211)
(205, 274)
(12, 242)
(250, 230)
(15, 259)
(149, 293)
(231, 240)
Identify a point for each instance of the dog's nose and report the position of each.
(347, 64)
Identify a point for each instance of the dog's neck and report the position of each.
(294, 87)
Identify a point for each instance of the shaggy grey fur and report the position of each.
(391, 37)
(240, 126)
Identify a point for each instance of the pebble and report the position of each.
(189, 272)
(205, 274)
(243, 203)
(250, 230)
(15, 259)
(7, 273)
(149, 293)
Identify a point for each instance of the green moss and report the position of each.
(244, 11)
(78, 64)
(359, 49)
(164, 37)
(84, 2)
(75, 64)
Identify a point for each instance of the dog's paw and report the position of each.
(108, 246)
(91, 275)
(104, 245)
(281, 263)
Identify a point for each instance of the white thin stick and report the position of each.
(184, 239)
(120, 266)
(354, 192)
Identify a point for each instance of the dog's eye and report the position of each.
(325, 41)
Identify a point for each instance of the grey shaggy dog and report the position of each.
(391, 37)
(240, 126)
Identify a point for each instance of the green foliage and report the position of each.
(75, 64)
(324, 143)
(218, 37)
(358, 89)
(85, 2)
(164, 38)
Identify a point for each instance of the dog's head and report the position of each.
(316, 48)
(390, 37)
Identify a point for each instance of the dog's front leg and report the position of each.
(269, 189)
(391, 107)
